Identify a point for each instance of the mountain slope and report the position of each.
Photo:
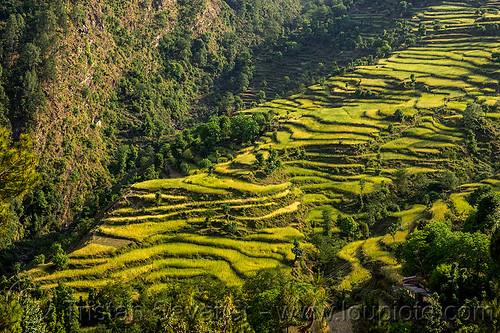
(358, 130)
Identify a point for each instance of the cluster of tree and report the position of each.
(460, 270)
(374, 210)
(421, 188)
(17, 176)
(488, 29)
(270, 164)
(436, 244)
(459, 264)
(275, 157)
(481, 138)
(201, 145)
(346, 224)
(333, 22)
(28, 58)
(219, 68)
(269, 302)
(486, 216)
(457, 260)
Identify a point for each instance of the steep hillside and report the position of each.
(96, 83)
(340, 146)
(85, 78)
(85, 118)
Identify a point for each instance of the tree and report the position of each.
(200, 52)
(47, 21)
(471, 141)
(121, 159)
(210, 134)
(404, 8)
(436, 244)
(373, 317)
(225, 127)
(116, 302)
(158, 198)
(422, 29)
(385, 50)
(394, 227)
(150, 173)
(297, 250)
(472, 117)
(227, 104)
(261, 97)
(260, 159)
(362, 184)
(413, 80)
(32, 93)
(17, 176)
(59, 259)
(205, 164)
(244, 128)
(495, 246)
(273, 162)
(437, 25)
(242, 82)
(38, 260)
(17, 166)
(185, 168)
(159, 162)
(402, 181)
(31, 56)
(474, 198)
(315, 299)
(12, 314)
(225, 210)
(432, 319)
(33, 315)
(327, 222)
(231, 227)
(486, 218)
(449, 181)
(209, 214)
(399, 115)
(148, 126)
(400, 327)
(347, 225)
(269, 290)
(64, 311)
(14, 31)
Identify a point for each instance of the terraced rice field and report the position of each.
(347, 137)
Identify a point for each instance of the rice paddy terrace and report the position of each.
(371, 23)
(349, 132)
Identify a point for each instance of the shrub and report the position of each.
(205, 164)
(38, 260)
(399, 115)
(347, 225)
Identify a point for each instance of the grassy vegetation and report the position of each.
(140, 231)
(91, 250)
(358, 273)
(207, 184)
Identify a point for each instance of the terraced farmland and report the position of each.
(349, 133)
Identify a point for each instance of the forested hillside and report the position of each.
(273, 162)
